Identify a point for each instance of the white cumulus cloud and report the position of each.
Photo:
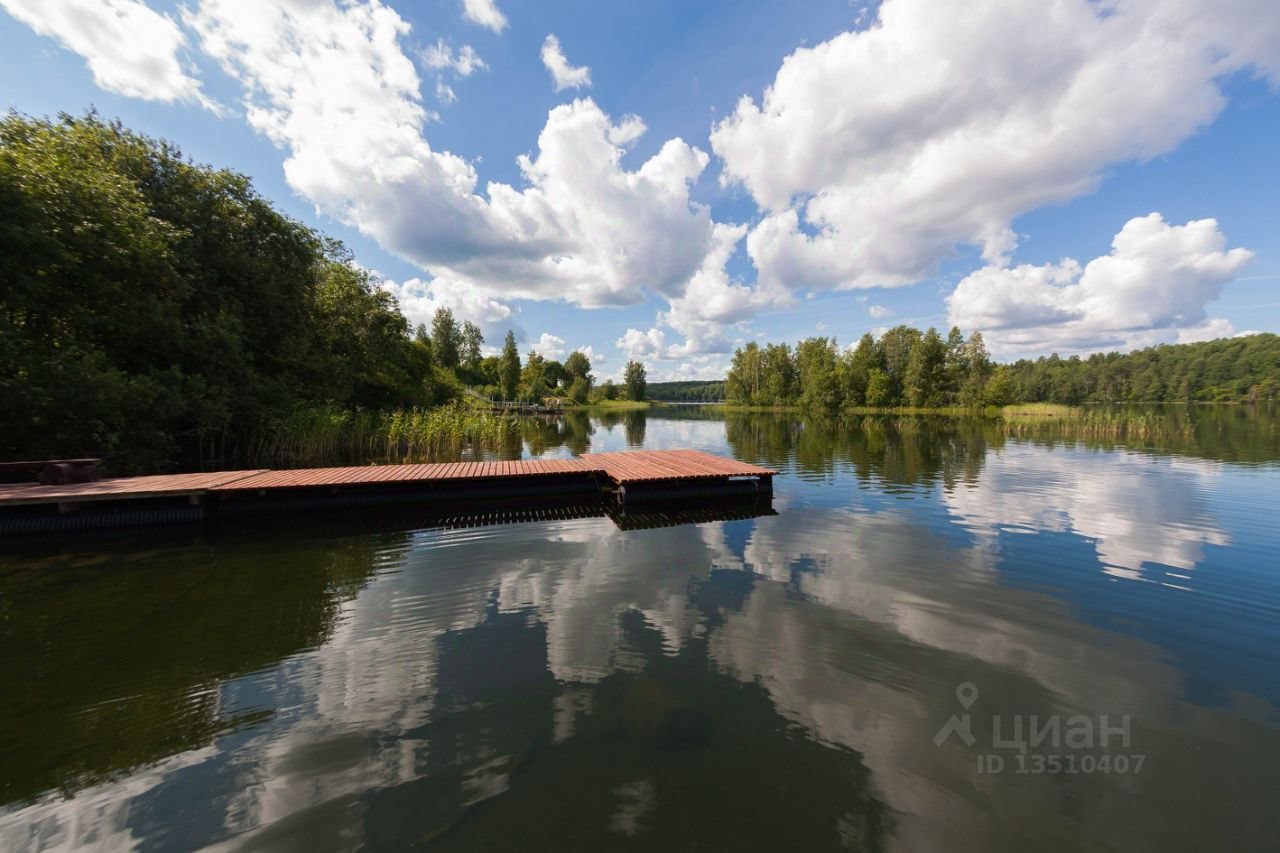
(712, 300)
(549, 346)
(594, 357)
(875, 153)
(131, 49)
(485, 13)
(563, 75)
(1210, 330)
(879, 312)
(419, 300)
(441, 55)
(331, 85)
(638, 345)
(1153, 286)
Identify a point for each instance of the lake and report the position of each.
(944, 639)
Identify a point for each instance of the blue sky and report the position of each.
(1062, 178)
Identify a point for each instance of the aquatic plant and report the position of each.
(321, 435)
(1051, 421)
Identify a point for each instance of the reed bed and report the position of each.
(1080, 424)
(327, 435)
(1041, 410)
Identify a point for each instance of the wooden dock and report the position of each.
(632, 476)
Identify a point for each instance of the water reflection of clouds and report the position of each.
(1140, 510)
(857, 623)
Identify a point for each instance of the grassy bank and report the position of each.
(326, 435)
(949, 411)
(613, 406)
(736, 407)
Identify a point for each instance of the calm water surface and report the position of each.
(867, 669)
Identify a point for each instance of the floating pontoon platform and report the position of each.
(634, 477)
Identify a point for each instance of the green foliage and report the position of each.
(910, 368)
(471, 342)
(686, 392)
(1057, 422)
(533, 378)
(329, 435)
(577, 369)
(1226, 370)
(999, 389)
(509, 368)
(743, 383)
(816, 370)
(633, 379)
(446, 339)
(157, 311)
(608, 391)
(878, 388)
(855, 371)
(905, 367)
(579, 390)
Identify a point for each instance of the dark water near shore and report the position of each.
(944, 640)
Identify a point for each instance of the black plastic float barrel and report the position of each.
(736, 487)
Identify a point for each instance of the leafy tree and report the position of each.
(856, 367)
(554, 374)
(999, 389)
(608, 391)
(169, 306)
(743, 385)
(878, 388)
(779, 375)
(446, 338)
(634, 380)
(895, 348)
(957, 368)
(579, 389)
(976, 370)
(925, 379)
(533, 378)
(817, 374)
(472, 343)
(578, 366)
(509, 368)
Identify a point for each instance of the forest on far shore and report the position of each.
(907, 367)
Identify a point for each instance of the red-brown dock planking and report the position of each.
(632, 475)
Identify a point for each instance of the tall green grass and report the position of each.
(1051, 421)
(327, 435)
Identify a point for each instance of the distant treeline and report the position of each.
(1225, 370)
(705, 391)
(905, 367)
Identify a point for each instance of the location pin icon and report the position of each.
(967, 693)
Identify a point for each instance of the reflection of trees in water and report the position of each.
(572, 431)
(904, 451)
(1231, 433)
(141, 646)
(909, 450)
(634, 423)
(667, 751)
